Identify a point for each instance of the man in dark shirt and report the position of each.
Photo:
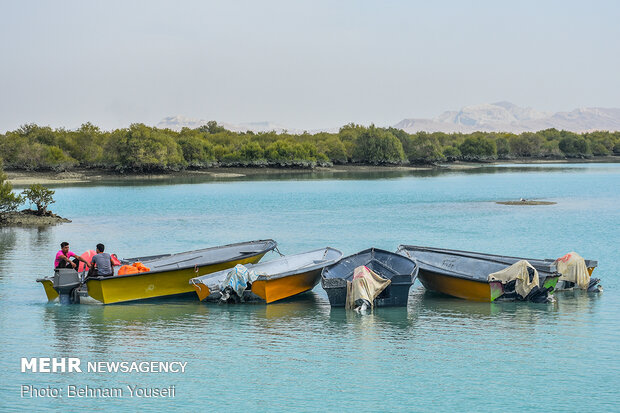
(102, 264)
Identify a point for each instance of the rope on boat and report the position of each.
(278, 251)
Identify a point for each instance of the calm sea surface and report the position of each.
(438, 353)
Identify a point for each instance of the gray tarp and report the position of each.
(237, 279)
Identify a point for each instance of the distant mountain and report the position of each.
(180, 122)
(490, 117)
(508, 117)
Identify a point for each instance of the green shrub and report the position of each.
(573, 145)
(334, 149)
(9, 201)
(39, 195)
(252, 151)
(377, 146)
(526, 144)
(478, 148)
(425, 148)
(502, 147)
(451, 153)
(197, 151)
(142, 148)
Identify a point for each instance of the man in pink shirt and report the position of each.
(63, 258)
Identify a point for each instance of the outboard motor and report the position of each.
(66, 281)
(594, 286)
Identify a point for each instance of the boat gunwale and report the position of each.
(550, 261)
(280, 275)
(469, 278)
(552, 270)
(414, 273)
(270, 243)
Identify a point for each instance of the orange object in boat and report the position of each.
(141, 267)
(127, 269)
(134, 268)
(88, 256)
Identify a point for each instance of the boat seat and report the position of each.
(381, 269)
(176, 262)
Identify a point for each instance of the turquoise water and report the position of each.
(438, 353)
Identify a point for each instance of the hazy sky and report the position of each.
(301, 64)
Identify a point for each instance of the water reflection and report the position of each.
(577, 302)
(429, 302)
(97, 327)
(390, 317)
(8, 239)
(302, 310)
(294, 308)
(41, 237)
(570, 306)
(238, 175)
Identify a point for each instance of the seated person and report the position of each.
(63, 258)
(102, 264)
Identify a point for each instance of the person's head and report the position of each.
(64, 246)
(100, 247)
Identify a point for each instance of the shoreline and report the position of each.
(29, 218)
(19, 178)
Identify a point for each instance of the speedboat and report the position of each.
(274, 280)
(474, 276)
(400, 271)
(153, 276)
(565, 282)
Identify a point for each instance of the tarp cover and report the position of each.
(238, 279)
(366, 285)
(517, 271)
(573, 268)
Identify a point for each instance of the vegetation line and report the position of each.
(140, 148)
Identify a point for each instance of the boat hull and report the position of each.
(276, 280)
(464, 274)
(276, 289)
(400, 270)
(395, 295)
(270, 291)
(544, 265)
(460, 287)
(154, 285)
(48, 285)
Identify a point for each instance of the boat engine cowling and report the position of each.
(66, 280)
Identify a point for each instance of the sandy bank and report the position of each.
(25, 178)
(526, 202)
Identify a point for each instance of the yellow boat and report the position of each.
(169, 274)
(275, 280)
(464, 274)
